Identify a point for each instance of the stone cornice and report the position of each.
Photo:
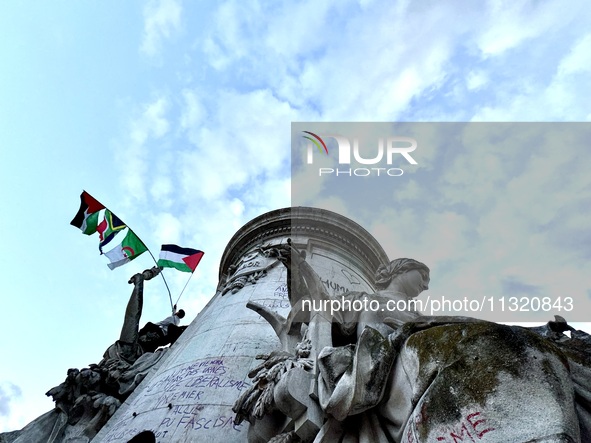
(310, 223)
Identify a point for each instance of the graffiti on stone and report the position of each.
(192, 384)
(353, 279)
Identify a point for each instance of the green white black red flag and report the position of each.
(87, 217)
(177, 257)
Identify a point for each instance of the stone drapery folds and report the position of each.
(414, 378)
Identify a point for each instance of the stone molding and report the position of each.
(312, 224)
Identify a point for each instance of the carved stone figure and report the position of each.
(376, 377)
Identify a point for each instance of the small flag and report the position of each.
(109, 228)
(130, 248)
(87, 217)
(182, 259)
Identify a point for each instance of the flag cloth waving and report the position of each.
(182, 259)
(87, 217)
(109, 227)
(130, 248)
(87, 221)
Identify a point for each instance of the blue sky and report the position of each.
(176, 115)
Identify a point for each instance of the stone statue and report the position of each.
(386, 376)
(89, 397)
(128, 348)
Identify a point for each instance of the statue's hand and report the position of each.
(148, 274)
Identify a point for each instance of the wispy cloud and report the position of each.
(246, 138)
(135, 148)
(8, 393)
(162, 18)
(378, 61)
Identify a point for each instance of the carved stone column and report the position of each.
(189, 396)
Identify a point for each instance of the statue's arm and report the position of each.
(133, 312)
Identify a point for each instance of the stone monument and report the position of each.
(287, 350)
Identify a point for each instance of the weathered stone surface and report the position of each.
(484, 381)
(9, 437)
(417, 379)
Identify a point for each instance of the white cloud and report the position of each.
(578, 59)
(14, 413)
(167, 227)
(162, 189)
(162, 18)
(351, 61)
(476, 80)
(8, 393)
(194, 112)
(313, 53)
(236, 207)
(133, 155)
(269, 194)
(508, 30)
(247, 138)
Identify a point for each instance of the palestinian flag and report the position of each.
(130, 248)
(87, 217)
(109, 228)
(183, 259)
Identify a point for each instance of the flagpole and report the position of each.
(162, 274)
(156, 263)
(183, 290)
